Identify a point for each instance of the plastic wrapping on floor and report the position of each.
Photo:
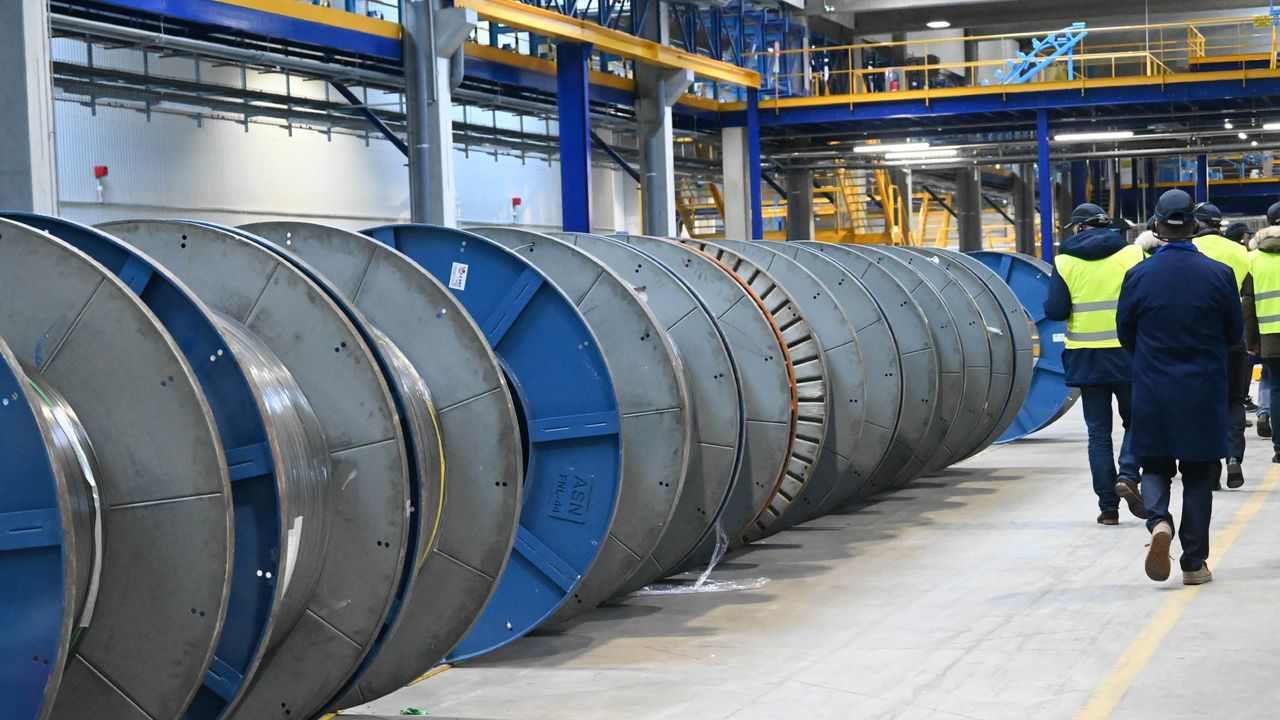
(704, 583)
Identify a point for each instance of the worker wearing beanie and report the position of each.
(1178, 313)
(1209, 240)
(1264, 331)
(1088, 271)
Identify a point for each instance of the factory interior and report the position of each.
(596, 359)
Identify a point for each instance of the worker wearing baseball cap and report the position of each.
(1210, 241)
(1179, 312)
(1264, 332)
(1088, 271)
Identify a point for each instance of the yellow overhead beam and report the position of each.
(562, 27)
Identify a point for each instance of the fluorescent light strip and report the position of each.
(1087, 136)
(899, 147)
(923, 154)
(1271, 126)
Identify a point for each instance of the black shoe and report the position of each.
(1250, 406)
(1264, 426)
(1217, 485)
(1109, 517)
(1128, 491)
(1235, 475)
(1276, 458)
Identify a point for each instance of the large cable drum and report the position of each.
(653, 400)
(715, 395)
(883, 389)
(475, 413)
(95, 353)
(265, 300)
(920, 426)
(570, 419)
(39, 557)
(844, 377)
(1049, 397)
(767, 382)
(1013, 335)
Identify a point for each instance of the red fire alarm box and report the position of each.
(99, 171)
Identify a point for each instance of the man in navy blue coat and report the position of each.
(1179, 312)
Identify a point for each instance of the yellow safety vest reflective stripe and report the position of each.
(1232, 254)
(1265, 267)
(1095, 292)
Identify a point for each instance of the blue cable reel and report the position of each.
(255, 492)
(570, 420)
(35, 554)
(1049, 397)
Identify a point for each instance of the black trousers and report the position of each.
(1197, 502)
(1239, 370)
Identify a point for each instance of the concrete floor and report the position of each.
(985, 592)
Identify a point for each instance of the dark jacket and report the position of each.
(1087, 366)
(1179, 313)
(1266, 240)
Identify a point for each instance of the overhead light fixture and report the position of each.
(1254, 143)
(1271, 126)
(899, 147)
(923, 154)
(925, 161)
(1227, 124)
(938, 24)
(1242, 136)
(1087, 136)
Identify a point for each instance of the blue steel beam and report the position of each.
(368, 114)
(1045, 170)
(1079, 182)
(753, 162)
(920, 110)
(613, 155)
(573, 102)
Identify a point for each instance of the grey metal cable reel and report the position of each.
(337, 371)
(653, 400)
(1005, 344)
(767, 389)
(920, 425)
(946, 344)
(478, 427)
(714, 393)
(166, 487)
(845, 379)
(883, 367)
(809, 377)
(983, 399)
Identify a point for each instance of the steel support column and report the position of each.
(657, 90)
(28, 173)
(1024, 210)
(433, 37)
(1151, 191)
(800, 205)
(1045, 169)
(1202, 178)
(968, 206)
(573, 93)
(1079, 182)
(741, 158)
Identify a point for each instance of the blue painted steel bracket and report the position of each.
(36, 589)
(264, 24)
(568, 405)
(244, 441)
(1049, 395)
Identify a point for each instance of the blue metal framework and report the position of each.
(1044, 52)
(1044, 170)
(573, 102)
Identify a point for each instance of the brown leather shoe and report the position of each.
(1109, 517)
(1128, 490)
(1197, 577)
(1157, 564)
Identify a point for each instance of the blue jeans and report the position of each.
(1264, 392)
(1096, 400)
(1272, 366)
(1197, 503)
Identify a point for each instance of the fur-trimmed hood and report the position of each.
(1267, 239)
(1148, 241)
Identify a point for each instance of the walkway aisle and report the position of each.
(988, 592)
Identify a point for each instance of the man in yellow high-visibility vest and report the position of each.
(1088, 271)
(1209, 241)
(1264, 330)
